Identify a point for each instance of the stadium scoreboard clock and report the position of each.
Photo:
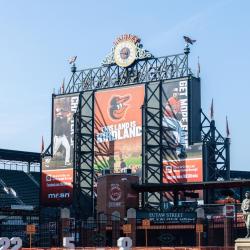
(125, 53)
(126, 50)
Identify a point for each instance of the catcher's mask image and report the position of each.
(118, 107)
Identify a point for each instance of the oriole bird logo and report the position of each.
(118, 107)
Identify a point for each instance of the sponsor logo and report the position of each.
(118, 107)
(58, 196)
(115, 192)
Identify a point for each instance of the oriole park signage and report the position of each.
(166, 217)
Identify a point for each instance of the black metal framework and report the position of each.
(152, 142)
(142, 71)
(237, 174)
(84, 155)
(48, 151)
(216, 151)
(216, 155)
(190, 186)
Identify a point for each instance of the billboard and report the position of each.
(118, 129)
(182, 161)
(57, 171)
(189, 169)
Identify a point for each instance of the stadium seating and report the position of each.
(26, 189)
(7, 198)
(36, 176)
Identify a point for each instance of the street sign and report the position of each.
(145, 224)
(199, 228)
(167, 218)
(126, 228)
(31, 229)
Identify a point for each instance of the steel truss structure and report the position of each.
(142, 71)
(216, 154)
(151, 72)
(84, 155)
(152, 149)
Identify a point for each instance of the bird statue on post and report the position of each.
(72, 60)
(188, 40)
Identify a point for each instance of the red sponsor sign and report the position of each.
(187, 170)
(57, 187)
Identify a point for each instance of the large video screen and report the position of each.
(118, 129)
(57, 171)
(182, 161)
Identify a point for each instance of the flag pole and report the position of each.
(212, 110)
(42, 146)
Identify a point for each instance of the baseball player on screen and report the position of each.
(62, 125)
(172, 120)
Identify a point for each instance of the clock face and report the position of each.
(125, 53)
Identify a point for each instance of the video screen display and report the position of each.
(118, 129)
(57, 171)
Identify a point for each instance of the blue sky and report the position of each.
(37, 38)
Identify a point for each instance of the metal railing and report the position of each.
(146, 70)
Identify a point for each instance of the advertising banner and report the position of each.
(57, 186)
(182, 162)
(189, 170)
(118, 125)
(57, 171)
(175, 115)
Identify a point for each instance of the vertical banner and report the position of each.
(181, 162)
(118, 125)
(57, 171)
